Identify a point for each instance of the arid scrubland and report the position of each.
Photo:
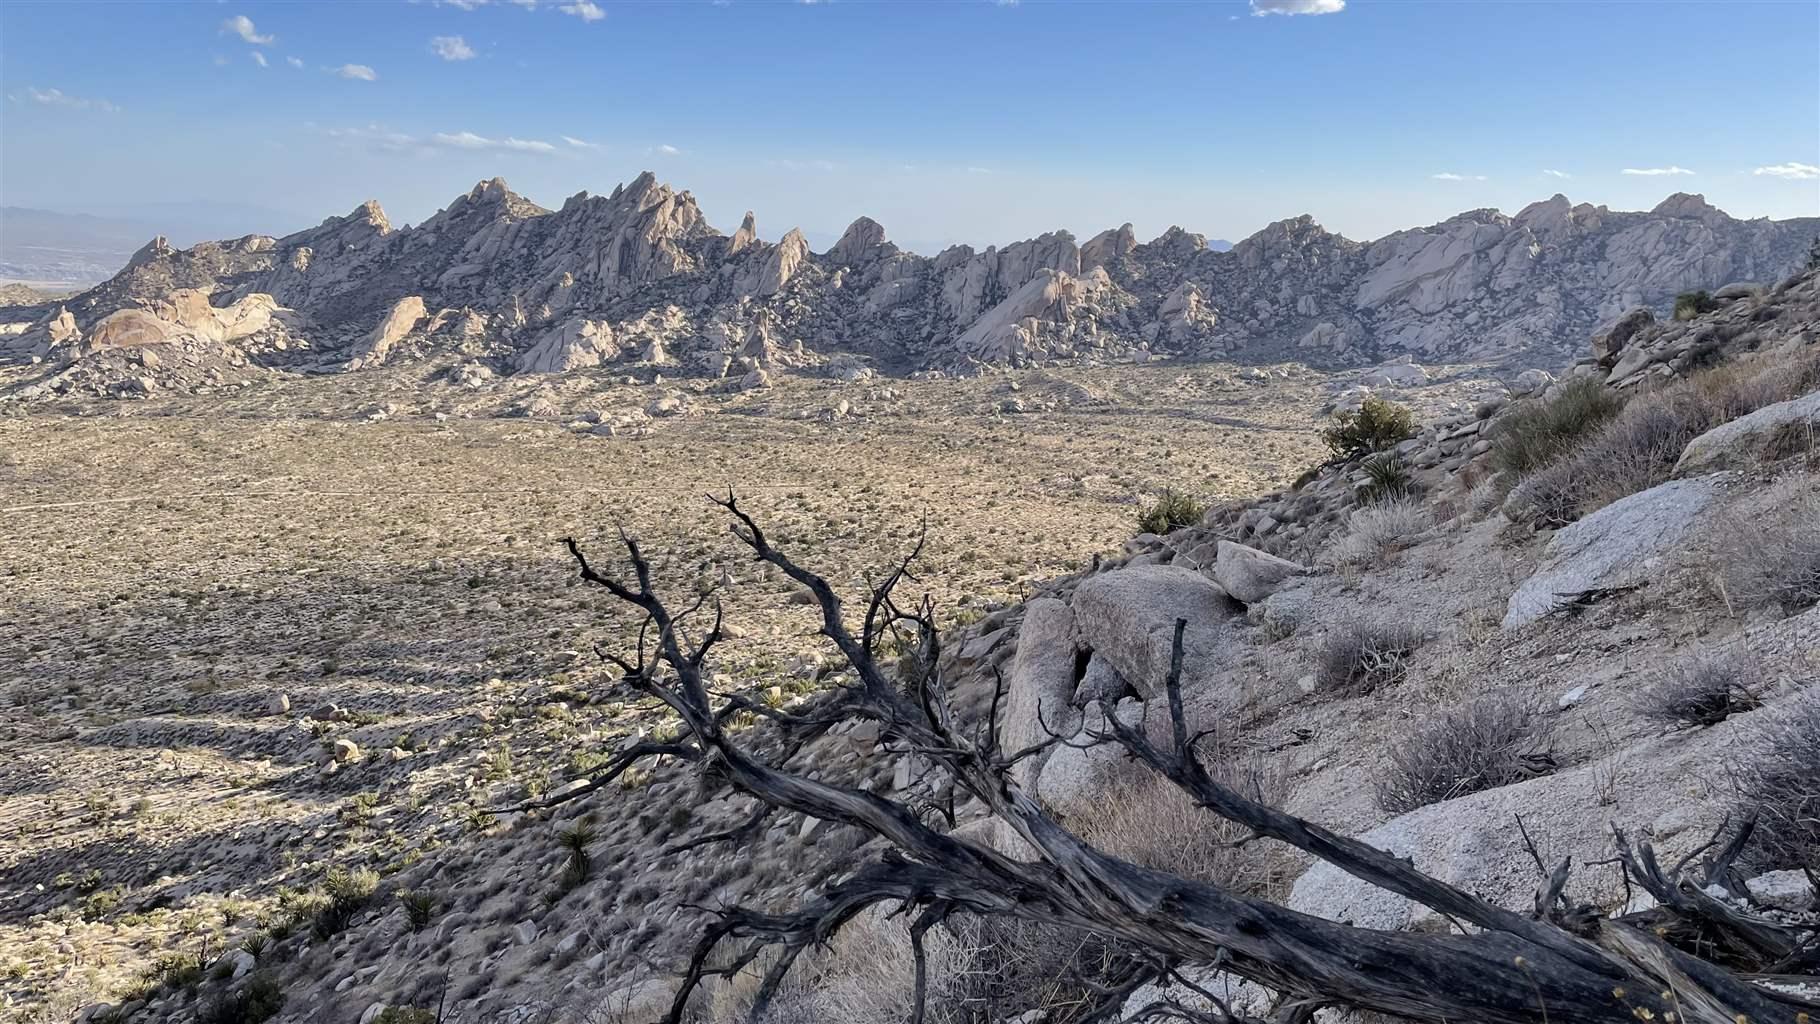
(203, 597)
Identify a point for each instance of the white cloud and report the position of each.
(469, 140)
(385, 139)
(668, 150)
(1654, 172)
(979, 170)
(1791, 170)
(357, 71)
(59, 98)
(586, 10)
(296, 62)
(451, 48)
(576, 143)
(1260, 8)
(1451, 176)
(465, 5)
(1556, 174)
(242, 26)
(529, 5)
(258, 58)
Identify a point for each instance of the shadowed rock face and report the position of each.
(1481, 285)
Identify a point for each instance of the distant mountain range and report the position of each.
(51, 247)
(639, 275)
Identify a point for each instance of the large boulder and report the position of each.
(1075, 777)
(1749, 438)
(1669, 791)
(1128, 616)
(572, 345)
(1620, 546)
(401, 320)
(1249, 575)
(1039, 693)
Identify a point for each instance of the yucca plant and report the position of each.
(576, 839)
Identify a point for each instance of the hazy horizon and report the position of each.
(958, 122)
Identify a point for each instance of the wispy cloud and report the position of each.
(359, 72)
(586, 10)
(668, 150)
(451, 48)
(59, 98)
(469, 140)
(1550, 172)
(1261, 8)
(296, 62)
(1654, 172)
(1451, 176)
(979, 170)
(258, 58)
(575, 143)
(242, 26)
(384, 139)
(1791, 170)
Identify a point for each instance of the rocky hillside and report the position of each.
(639, 276)
(1595, 605)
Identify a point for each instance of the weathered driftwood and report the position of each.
(1562, 965)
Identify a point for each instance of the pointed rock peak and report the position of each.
(158, 248)
(370, 212)
(493, 188)
(576, 200)
(859, 242)
(793, 239)
(1686, 204)
(745, 237)
(645, 182)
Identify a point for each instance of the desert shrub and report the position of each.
(405, 1015)
(258, 1000)
(1377, 424)
(1375, 532)
(419, 908)
(1490, 742)
(1171, 512)
(1700, 691)
(1358, 657)
(575, 841)
(1777, 778)
(256, 944)
(1387, 478)
(1691, 304)
(1772, 560)
(1539, 431)
(344, 894)
(1155, 824)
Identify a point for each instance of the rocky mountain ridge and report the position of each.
(640, 276)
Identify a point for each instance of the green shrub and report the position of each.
(1171, 512)
(258, 1000)
(1378, 424)
(1389, 478)
(419, 907)
(1539, 431)
(1691, 304)
(575, 840)
(405, 1015)
(345, 893)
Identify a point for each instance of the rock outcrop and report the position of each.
(1481, 285)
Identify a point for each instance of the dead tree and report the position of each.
(1561, 964)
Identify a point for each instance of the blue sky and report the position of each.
(966, 120)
